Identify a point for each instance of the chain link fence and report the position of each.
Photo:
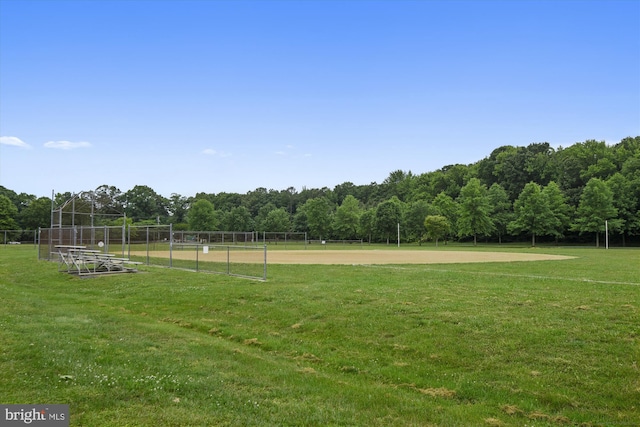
(228, 253)
(18, 237)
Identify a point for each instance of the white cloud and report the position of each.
(212, 152)
(66, 145)
(13, 141)
(289, 149)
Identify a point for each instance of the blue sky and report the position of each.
(229, 96)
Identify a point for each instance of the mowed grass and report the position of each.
(497, 344)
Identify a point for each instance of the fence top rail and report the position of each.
(231, 246)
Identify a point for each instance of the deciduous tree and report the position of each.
(347, 218)
(448, 208)
(474, 211)
(625, 200)
(36, 214)
(367, 223)
(239, 219)
(141, 203)
(532, 213)
(318, 213)
(560, 210)
(277, 220)
(202, 216)
(595, 208)
(414, 217)
(388, 216)
(437, 227)
(501, 209)
(8, 214)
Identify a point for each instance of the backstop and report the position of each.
(228, 253)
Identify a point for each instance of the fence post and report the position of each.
(228, 261)
(170, 245)
(264, 274)
(147, 245)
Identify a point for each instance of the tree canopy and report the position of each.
(534, 190)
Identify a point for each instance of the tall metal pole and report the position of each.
(52, 208)
(73, 211)
(93, 202)
(606, 234)
(124, 229)
(264, 274)
(147, 245)
(170, 245)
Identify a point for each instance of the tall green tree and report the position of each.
(514, 167)
(318, 213)
(141, 203)
(448, 208)
(437, 227)
(178, 207)
(414, 217)
(108, 202)
(388, 216)
(625, 200)
(532, 213)
(8, 214)
(202, 216)
(254, 200)
(347, 218)
(36, 214)
(501, 209)
(475, 211)
(261, 218)
(560, 210)
(239, 219)
(399, 184)
(367, 223)
(277, 220)
(595, 209)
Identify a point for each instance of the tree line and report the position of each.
(534, 192)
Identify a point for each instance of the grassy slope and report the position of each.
(538, 343)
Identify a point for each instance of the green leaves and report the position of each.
(596, 207)
(533, 213)
(202, 216)
(474, 210)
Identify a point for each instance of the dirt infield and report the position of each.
(399, 257)
(366, 257)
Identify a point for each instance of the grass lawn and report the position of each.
(497, 344)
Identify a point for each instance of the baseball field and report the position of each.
(373, 256)
(506, 336)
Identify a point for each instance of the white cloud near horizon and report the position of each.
(212, 152)
(14, 142)
(290, 150)
(66, 145)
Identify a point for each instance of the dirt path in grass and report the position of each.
(329, 256)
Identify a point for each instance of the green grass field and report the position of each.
(501, 344)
